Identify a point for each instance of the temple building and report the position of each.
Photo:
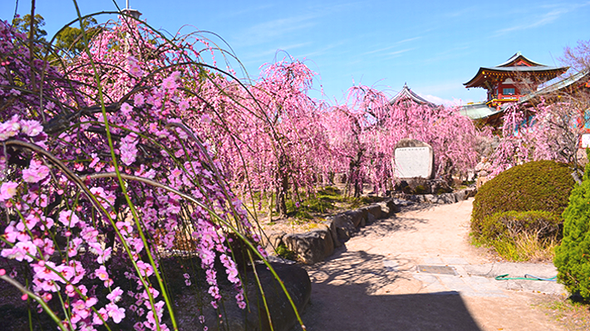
(507, 83)
(407, 97)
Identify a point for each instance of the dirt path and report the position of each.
(373, 282)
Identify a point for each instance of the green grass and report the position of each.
(326, 201)
(520, 248)
(569, 314)
(519, 235)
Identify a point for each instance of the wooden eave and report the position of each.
(486, 74)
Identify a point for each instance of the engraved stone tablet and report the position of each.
(413, 158)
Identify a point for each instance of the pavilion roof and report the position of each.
(406, 94)
(579, 78)
(477, 111)
(515, 65)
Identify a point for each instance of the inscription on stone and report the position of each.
(413, 162)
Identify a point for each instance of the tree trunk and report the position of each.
(282, 187)
(281, 202)
(355, 175)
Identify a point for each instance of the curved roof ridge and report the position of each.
(511, 67)
(517, 56)
(407, 93)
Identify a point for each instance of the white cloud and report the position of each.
(395, 45)
(275, 29)
(400, 52)
(531, 22)
(441, 101)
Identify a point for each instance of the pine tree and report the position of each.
(572, 257)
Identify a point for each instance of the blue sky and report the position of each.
(433, 46)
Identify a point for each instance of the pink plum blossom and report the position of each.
(31, 128)
(68, 218)
(117, 313)
(8, 190)
(115, 295)
(35, 172)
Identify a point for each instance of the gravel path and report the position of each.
(417, 271)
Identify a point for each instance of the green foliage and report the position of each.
(311, 205)
(572, 257)
(537, 185)
(518, 212)
(420, 189)
(545, 225)
(24, 24)
(520, 236)
(70, 39)
(322, 202)
(285, 252)
(364, 200)
(524, 247)
(330, 194)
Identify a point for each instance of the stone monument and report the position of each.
(413, 158)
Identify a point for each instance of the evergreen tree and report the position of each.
(24, 25)
(572, 257)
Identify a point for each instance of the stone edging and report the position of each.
(316, 245)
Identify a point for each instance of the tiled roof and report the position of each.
(564, 83)
(512, 65)
(407, 94)
(518, 56)
(478, 111)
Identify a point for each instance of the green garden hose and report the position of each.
(526, 277)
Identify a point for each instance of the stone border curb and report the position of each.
(315, 246)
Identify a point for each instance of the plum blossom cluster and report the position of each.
(94, 184)
(547, 131)
(268, 136)
(136, 147)
(364, 131)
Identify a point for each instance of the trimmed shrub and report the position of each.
(537, 185)
(507, 225)
(572, 257)
(521, 236)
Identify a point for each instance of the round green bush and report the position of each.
(533, 186)
(572, 256)
(508, 225)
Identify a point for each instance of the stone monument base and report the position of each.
(419, 185)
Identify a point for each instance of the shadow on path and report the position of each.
(349, 307)
(385, 226)
(347, 294)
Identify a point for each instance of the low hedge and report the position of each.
(537, 185)
(507, 225)
(521, 235)
(518, 212)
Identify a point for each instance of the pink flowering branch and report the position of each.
(33, 296)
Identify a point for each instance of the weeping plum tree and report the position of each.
(347, 144)
(267, 135)
(363, 135)
(549, 126)
(354, 129)
(101, 171)
(291, 118)
(549, 130)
